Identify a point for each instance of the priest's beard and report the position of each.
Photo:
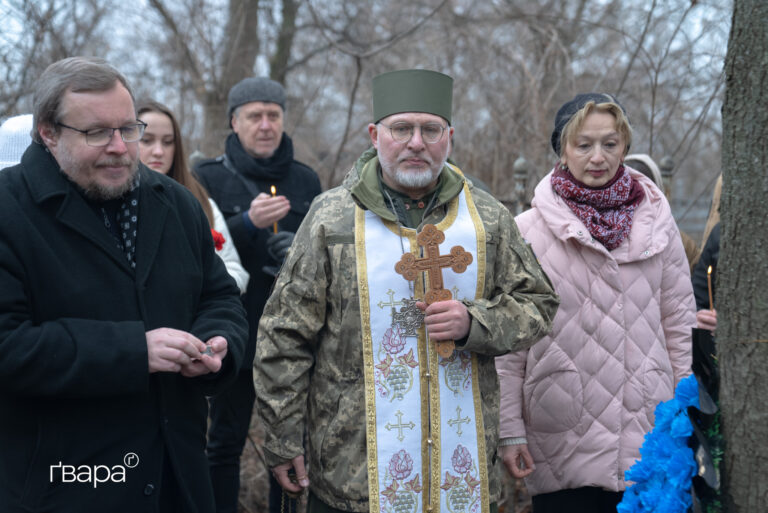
(411, 179)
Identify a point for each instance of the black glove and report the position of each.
(278, 244)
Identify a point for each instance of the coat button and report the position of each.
(149, 489)
(236, 208)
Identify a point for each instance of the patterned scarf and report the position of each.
(126, 219)
(606, 211)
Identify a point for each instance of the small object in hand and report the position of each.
(208, 351)
(273, 190)
(295, 480)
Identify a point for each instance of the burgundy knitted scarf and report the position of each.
(606, 211)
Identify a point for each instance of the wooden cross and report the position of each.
(433, 263)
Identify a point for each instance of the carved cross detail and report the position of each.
(433, 263)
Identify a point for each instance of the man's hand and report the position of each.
(170, 350)
(266, 210)
(445, 320)
(282, 476)
(706, 319)
(209, 360)
(278, 244)
(518, 460)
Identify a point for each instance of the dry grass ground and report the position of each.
(254, 480)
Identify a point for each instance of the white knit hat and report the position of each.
(14, 139)
(650, 164)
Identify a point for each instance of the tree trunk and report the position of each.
(241, 48)
(278, 65)
(743, 281)
(216, 124)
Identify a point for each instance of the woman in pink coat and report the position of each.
(575, 406)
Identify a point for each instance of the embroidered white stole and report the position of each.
(424, 421)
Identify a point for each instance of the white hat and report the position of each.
(650, 164)
(14, 139)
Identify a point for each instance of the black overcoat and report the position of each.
(76, 395)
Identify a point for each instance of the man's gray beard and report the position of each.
(418, 179)
(96, 191)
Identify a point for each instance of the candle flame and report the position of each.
(273, 189)
(709, 270)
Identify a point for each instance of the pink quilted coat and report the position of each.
(584, 395)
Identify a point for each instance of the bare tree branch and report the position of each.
(638, 47)
(189, 56)
(383, 46)
(350, 109)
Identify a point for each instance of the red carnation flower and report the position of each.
(218, 239)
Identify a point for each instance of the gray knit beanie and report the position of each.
(14, 139)
(255, 89)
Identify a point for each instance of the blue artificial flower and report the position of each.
(681, 425)
(663, 475)
(687, 391)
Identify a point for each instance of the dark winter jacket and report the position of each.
(709, 256)
(233, 180)
(78, 403)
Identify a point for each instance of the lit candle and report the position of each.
(274, 225)
(709, 286)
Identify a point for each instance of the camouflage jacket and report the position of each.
(308, 369)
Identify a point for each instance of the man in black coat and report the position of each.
(117, 318)
(264, 194)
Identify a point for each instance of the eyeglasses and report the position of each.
(402, 132)
(101, 136)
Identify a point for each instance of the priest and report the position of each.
(375, 352)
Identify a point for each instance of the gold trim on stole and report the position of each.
(479, 425)
(370, 389)
(430, 414)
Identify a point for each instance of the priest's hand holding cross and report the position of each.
(445, 318)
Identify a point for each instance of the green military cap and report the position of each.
(412, 90)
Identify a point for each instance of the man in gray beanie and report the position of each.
(264, 194)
